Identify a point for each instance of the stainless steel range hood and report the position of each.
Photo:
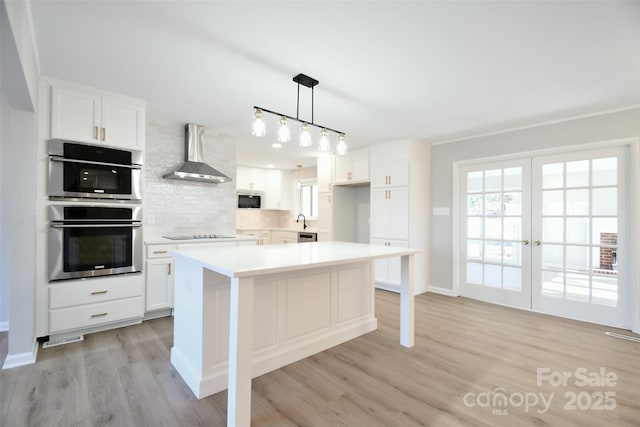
(194, 168)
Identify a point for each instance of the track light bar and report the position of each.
(258, 128)
(275, 113)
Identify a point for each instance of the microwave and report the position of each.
(86, 171)
(249, 200)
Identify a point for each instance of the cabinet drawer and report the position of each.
(279, 237)
(65, 319)
(159, 251)
(94, 290)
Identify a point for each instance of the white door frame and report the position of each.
(633, 266)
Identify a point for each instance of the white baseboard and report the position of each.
(4, 326)
(441, 291)
(22, 359)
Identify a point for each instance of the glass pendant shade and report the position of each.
(284, 133)
(258, 128)
(305, 136)
(324, 144)
(341, 148)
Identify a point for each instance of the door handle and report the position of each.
(525, 242)
(537, 242)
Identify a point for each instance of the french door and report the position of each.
(548, 234)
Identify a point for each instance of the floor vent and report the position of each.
(623, 337)
(60, 341)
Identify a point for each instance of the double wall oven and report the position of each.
(97, 230)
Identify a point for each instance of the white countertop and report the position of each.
(293, 230)
(244, 261)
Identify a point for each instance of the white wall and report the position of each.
(175, 207)
(19, 90)
(599, 128)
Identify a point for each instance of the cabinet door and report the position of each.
(342, 167)
(324, 167)
(398, 172)
(379, 175)
(159, 284)
(273, 190)
(75, 114)
(325, 217)
(360, 165)
(398, 213)
(379, 212)
(122, 123)
(381, 265)
(243, 178)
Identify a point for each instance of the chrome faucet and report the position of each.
(304, 221)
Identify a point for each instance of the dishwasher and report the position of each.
(303, 236)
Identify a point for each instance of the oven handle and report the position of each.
(90, 162)
(95, 225)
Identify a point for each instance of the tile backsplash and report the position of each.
(182, 207)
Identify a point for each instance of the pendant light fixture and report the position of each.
(284, 133)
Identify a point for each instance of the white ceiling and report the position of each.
(387, 69)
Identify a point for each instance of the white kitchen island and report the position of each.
(243, 311)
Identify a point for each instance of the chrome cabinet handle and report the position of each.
(537, 242)
(90, 162)
(525, 242)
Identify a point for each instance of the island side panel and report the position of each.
(188, 331)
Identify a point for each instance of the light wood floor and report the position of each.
(463, 348)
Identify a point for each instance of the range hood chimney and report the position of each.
(194, 168)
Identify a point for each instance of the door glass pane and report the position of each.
(552, 175)
(577, 258)
(552, 284)
(552, 230)
(512, 228)
(474, 249)
(604, 290)
(578, 230)
(493, 228)
(577, 202)
(578, 288)
(552, 202)
(602, 229)
(474, 182)
(493, 204)
(474, 273)
(605, 171)
(493, 251)
(492, 276)
(493, 180)
(512, 253)
(512, 179)
(513, 203)
(605, 201)
(474, 227)
(604, 261)
(552, 256)
(578, 173)
(474, 204)
(512, 278)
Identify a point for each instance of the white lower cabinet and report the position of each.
(159, 284)
(387, 270)
(90, 303)
(280, 237)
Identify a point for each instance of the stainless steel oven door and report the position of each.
(90, 171)
(81, 179)
(91, 250)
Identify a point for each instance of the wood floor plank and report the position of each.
(462, 348)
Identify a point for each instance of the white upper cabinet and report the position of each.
(95, 117)
(352, 168)
(278, 189)
(387, 173)
(324, 167)
(250, 179)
